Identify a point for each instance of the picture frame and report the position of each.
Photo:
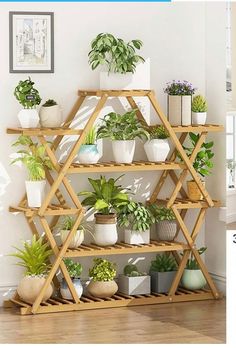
(31, 42)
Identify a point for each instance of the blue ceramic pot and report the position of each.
(88, 154)
(65, 292)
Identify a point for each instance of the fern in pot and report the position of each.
(36, 162)
(50, 114)
(122, 131)
(74, 269)
(28, 96)
(137, 220)
(133, 282)
(34, 257)
(107, 199)
(157, 148)
(88, 152)
(199, 110)
(102, 284)
(166, 224)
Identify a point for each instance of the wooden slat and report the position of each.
(44, 131)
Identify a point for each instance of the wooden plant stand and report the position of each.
(48, 214)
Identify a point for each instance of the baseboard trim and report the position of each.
(220, 282)
(6, 292)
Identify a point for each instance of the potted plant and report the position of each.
(193, 278)
(88, 152)
(50, 114)
(137, 220)
(107, 199)
(35, 160)
(231, 165)
(102, 283)
(179, 102)
(202, 164)
(157, 148)
(166, 224)
(29, 98)
(34, 257)
(119, 58)
(162, 271)
(74, 269)
(122, 130)
(199, 110)
(133, 282)
(65, 228)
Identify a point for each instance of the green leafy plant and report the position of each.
(33, 157)
(135, 216)
(106, 197)
(192, 263)
(117, 55)
(26, 94)
(161, 213)
(102, 270)
(159, 132)
(199, 104)
(132, 271)
(179, 88)
(50, 102)
(74, 268)
(163, 263)
(34, 257)
(91, 137)
(122, 127)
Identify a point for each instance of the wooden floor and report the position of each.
(188, 322)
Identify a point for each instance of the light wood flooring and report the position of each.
(187, 322)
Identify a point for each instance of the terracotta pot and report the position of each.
(30, 286)
(105, 229)
(102, 289)
(193, 191)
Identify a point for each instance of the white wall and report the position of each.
(174, 37)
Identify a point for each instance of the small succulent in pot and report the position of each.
(50, 114)
(88, 152)
(133, 282)
(74, 269)
(157, 148)
(166, 224)
(199, 109)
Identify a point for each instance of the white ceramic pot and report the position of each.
(179, 109)
(102, 289)
(136, 237)
(76, 240)
(30, 286)
(123, 150)
(28, 118)
(35, 191)
(88, 154)
(50, 116)
(65, 292)
(193, 279)
(105, 230)
(166, 230)
(115, 81)
(157, 150)
(199, 117)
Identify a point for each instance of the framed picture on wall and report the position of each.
(31, 42)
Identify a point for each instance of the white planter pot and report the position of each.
(28, 118)
(88, 154)
(123, 150)
(76, 240)
(179, 109)
(50, 116)
(65, 292)
(30, 287)
(105, 230)
(134, 285)
(136, 237)
(193, 279)
(166, 230)
(139, 80)
(199, 117)
(157, 150)
(35, 191)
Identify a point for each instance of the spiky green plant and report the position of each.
(34, 257)
(132, 271)
(159, 132)
(74, 268)
(199, 104)
(50, 102)
(26, 94)
(103, 270)
(91, 137)
(163, 263)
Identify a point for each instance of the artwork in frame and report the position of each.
(31, 42)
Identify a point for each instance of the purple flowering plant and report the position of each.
(179, 88)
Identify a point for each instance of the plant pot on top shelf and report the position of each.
(157, 148)
(133, 282)
(199, 110)
(166, 224)
(50, 114)
(88, 152)
(74, 269)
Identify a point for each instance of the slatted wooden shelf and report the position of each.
(114, 93)
(186, 203)
(198, 128)
(52, 209)
(44, 131)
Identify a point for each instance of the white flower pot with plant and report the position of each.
(36, 162)
(166, 224)
(179, 102)
(88, 152)
(158, 147)
(50, 114)
(133, 282)
(29, 98)
(74, 269)
(65, 228)
(106, 199)
(119, 58)
(162, 271)
(231, 165)
(193, 278)
(122, 130)
(34, 257)
(102, 284)
(199, 110)
(137, 220)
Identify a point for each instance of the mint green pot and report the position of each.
(193, 279)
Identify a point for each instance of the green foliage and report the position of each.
(163, 263)
(50, 102)
(199, 104)
(26, 94)
(74, 268)
(102, 270)
(34, 257)
(67, 223)
(161, 213)
(117, 55)
(91, 137)
(106, 197)
(33, 157)
(179, 88)
(159, 132)
(135, 216)
(122, 127)
(192, 263)
(132, 271)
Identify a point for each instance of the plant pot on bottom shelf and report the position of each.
(137, 237)
(74, 269)
(105, 229)
(162, 271)
(193, 279)
(133, 282)
(50, 114)
(194, 192)
(35, 191)
(30, 287)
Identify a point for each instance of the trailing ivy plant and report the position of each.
(161, 213)
(74, 268)
(26, 94)
(163, 263)
(103, 270)
(117, 55)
